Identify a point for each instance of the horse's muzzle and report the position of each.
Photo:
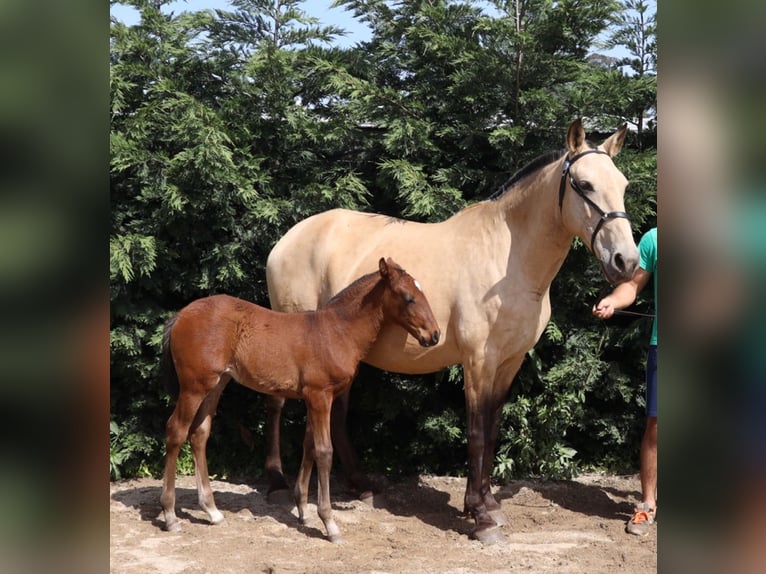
(430, 341)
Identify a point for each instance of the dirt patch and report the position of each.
(564, 526)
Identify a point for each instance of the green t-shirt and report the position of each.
(647, 250)
(747, 244)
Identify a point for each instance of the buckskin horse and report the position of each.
(487, 269)
(313, 356)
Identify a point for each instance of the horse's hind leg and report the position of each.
(368, 492)
(277, 482)
(199, 433)
(177, 431)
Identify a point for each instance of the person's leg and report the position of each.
(649, 442)
(649, 463)
(643, 517)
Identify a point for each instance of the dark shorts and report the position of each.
(651, 381)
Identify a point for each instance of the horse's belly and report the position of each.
(396, 352)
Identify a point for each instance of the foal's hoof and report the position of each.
(172, 527)
(488, 536)
(335, 539)
(281, 497)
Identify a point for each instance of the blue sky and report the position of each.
(321, 9)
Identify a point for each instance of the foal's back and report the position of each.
(261, 349)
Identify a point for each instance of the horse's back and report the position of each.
(322, 254)
(297, 272)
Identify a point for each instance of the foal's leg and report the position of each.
(200, 432)
(177, 431)
(301, 491)
(319, 404)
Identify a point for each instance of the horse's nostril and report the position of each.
(435, 337)
(619, 262)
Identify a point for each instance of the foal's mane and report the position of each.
(352, 288)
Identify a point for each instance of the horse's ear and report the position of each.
(575, 136)
(613, 143)
(383, 267)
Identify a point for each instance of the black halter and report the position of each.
(604, 215)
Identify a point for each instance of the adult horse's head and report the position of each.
(591, 201)
(407, 304)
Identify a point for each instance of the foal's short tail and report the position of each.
(168, 368)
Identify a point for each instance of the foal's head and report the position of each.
(406, 304)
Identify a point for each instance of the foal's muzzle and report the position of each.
(429, 341)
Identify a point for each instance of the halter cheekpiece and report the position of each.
(562, 188)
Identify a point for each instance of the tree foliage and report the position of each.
(229, 126)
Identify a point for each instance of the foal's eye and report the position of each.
(408, 298)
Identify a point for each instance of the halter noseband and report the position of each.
(562, 188)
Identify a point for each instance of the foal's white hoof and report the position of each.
(173, 527)
(499, 517)
(217, 519)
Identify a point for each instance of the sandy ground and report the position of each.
(563, 526)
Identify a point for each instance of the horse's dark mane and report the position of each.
(534, 165)
(538, 163)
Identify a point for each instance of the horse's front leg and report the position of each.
(493, 428)
(479, 407)
(319, 406)
(502, 383)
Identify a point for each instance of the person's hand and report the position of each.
(603, 309)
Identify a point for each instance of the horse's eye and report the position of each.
(585, 185)
(408, 298)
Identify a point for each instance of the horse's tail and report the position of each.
(168, 367)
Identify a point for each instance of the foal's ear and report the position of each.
(383, 267)
(613, 143)
(575, 137)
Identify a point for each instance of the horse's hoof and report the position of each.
(499, 517)
(281, 497)
(488, 536)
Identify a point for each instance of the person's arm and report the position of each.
(623, 295)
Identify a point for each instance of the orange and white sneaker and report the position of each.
(642, 520)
